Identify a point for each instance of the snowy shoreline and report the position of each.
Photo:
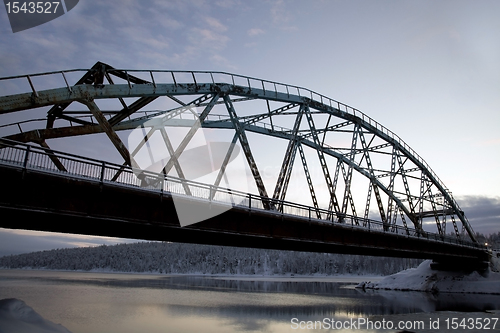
(425, 279)
(239, 277)
(175, 258)
(17, 316)
(421, 279)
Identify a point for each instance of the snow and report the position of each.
(298, 278)
(16, 316)
(423, 278)
(179, 258)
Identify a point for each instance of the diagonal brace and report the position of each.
(248, 153)
(115, 139)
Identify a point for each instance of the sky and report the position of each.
(427, 70)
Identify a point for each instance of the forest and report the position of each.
(182, 258)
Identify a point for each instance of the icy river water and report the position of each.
(85, 302)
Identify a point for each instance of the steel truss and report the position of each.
(331, 137)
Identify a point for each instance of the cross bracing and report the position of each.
(347, 162)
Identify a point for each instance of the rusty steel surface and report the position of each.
(403, 185)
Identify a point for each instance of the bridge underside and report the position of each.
(346, 183)
(47, 202)
(332, 156)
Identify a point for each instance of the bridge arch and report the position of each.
(399, 187)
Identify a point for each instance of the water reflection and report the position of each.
(128, 303)
(342, 296)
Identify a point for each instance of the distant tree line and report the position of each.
(180, 258)
(493, 240)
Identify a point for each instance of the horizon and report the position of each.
(428, 71)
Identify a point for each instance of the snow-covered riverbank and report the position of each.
(423, 278)
(17, 316)
(179, 258)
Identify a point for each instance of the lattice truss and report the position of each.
(299, 146)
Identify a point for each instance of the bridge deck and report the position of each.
(36, 198)
(357, 156)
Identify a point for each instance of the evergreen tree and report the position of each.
(179, 258)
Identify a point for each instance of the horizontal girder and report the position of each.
(147, 91)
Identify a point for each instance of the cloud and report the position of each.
(215, 24)
(250, 45)
(125, 34)
(279, 13)
(221, 61)
(255, 32)
(24, 241)
(281, 16)
(482, 212)
(227, 3)
(435, 35)
(204, 39)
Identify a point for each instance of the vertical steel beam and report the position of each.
(391, 187)
(368, 199)
(434, 208)
(309, 180)
(403, 219)
(465, 223)
(248, 153)
(333, 198)
(288, 175)
(326, 129)
(443, 225)
(409, 197)
(455, 227)
(335, 182)
(348, 176)
(372, 178)
(421, 200)
(222, 169)
(287, 165)
(270, 114)
(348, 194)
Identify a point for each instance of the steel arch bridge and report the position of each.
(352, 167)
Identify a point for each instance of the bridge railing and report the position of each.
(270, 88)
(27, 157)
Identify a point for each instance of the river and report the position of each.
(88, 302)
